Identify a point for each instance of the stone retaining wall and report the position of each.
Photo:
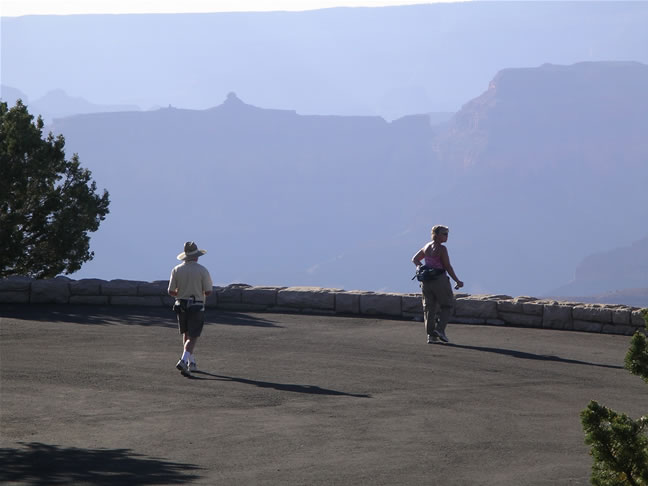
(499, 310)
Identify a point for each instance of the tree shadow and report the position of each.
(91, 314)
(107, 315)
(40, 464)
(532, 356)
(288, 387)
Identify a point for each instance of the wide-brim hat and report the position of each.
(191, 251)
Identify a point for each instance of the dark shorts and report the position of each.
(191, 322)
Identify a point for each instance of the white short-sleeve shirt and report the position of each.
(190, 279)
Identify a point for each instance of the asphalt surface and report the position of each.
(91, 396)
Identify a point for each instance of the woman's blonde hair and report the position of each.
(438, 228)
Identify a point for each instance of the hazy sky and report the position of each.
(13, 8)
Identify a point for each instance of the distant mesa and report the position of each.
(232, 99)
(584, 114)
(10, 95)
(57, 103)
(631, 297)
(624, 268)
(234, 104)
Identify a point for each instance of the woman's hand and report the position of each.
(459, 285)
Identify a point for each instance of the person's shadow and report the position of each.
(525, 355)
(287, 387)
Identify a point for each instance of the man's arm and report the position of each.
(173, 285)
(208, 285)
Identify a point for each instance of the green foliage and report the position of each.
(619, 443)
(619, 446)
(636, 361)
(48, 205)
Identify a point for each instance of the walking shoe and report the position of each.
(193, 366)
(183, 367)
(441, 335)
(432, 339)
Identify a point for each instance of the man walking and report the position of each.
(190, 284)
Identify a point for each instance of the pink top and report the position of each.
(432, 258)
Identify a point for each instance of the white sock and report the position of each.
(185, 356)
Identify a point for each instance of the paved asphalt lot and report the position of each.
(91, 396)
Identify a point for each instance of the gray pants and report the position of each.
(437, 292)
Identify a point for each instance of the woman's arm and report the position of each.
(445, 259)
(416, 259)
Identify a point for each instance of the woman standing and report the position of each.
(437, 290)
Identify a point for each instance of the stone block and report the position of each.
(476, 308)
(496, 297)
(87, 286)
(230, 294)
(523, 320)
(625, 330)
(307, 298)
(347, 303)
(509, 306)
(159, 287)
(557, 316)
(134, 300)
(264, 296)
(89, 299)
(15, 284)
(533, 308)
(637, 319)
(120, 287)
(587, 326)
(380, 304)
(593, 312)
(14, 297)
(212, 299)
(520, 305)
(621, 317)
(412, 303)
(50, 291)
(526, 298)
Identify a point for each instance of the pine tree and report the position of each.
(619, 443)
(48, 205)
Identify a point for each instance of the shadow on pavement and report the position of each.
(309, 389)
(113, 315)
(90, 314)
(539, 357)
(236, 319)
(42, 464)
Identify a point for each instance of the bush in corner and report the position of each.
(619, 444)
